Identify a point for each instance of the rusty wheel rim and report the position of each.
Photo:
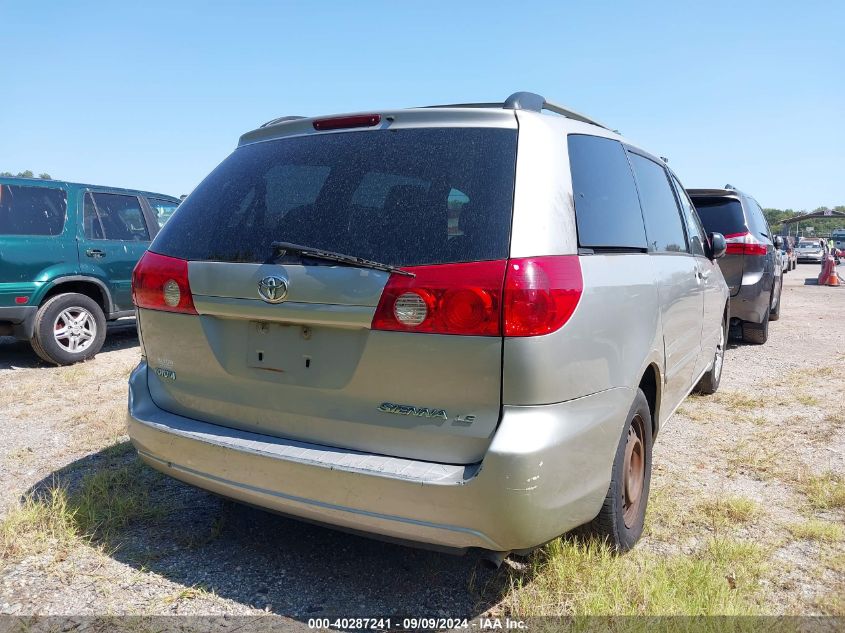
(633, 474)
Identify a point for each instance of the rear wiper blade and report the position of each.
(282, 248)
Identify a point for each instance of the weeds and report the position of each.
(729, 510)
(587, 578)
(102, 504)
(825, 491)
(817, 530)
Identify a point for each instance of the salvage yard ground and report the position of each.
(746, 515)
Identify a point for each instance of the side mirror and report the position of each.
(778, 241)
(718, 246)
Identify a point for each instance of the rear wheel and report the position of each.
(756, 333)
(709, 382)
(774, 311)
(622, 517)
(69, 328)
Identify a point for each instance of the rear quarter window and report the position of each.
(663, 223)
(32, 210)
(606, 206)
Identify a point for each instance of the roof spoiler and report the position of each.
(529, 101)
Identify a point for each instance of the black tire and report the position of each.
(619, 526)
(756, 333)
(709, 383)
(50, 317)
(774, 313)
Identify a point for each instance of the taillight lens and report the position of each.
(444, 299)
(541, 293)
(161, 283)
(744, 244)
(517, 297)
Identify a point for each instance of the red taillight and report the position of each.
(541, 293)
(526, 297)
(444, 299)
(161, 283)
(744, 244)
(343, 122)
(21, 300)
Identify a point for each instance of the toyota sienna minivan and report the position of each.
(457, 326)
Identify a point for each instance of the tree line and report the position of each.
(821, 226)
(26, 174)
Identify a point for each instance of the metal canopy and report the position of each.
(818, 215)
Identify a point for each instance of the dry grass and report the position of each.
(825, 491)
(817, 530)
(571, 577)
(729, 510)
(104, 503)
(807, 400)
(37, 524)
(736, 400)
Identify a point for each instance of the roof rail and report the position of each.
(282, 119)
(531, 102)
(517, 101)
(536, 103)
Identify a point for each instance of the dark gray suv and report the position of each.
(751, 266)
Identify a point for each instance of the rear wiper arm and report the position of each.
(282, 248)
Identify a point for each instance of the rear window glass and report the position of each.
(403, 197)
(32, 210)
(606, 205)
(721, 215)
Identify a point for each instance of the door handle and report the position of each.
(703, 274)
(96, 253)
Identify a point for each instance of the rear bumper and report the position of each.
(547, 471)
(815, 259)
(19, 319)
(752, 301)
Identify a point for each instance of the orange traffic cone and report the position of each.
(833, 280)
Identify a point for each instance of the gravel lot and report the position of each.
(778, 421)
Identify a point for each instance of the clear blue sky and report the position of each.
(153, 95)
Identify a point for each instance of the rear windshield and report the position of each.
(32, 210)
(721, 215)
(402, 197)
(809, 245)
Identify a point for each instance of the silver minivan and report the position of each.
(459, 326)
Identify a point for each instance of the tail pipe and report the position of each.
(493, 560)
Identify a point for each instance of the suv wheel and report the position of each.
(622, 517)
(69, 328)
(709, 382)
(756, 333)
(774, 312)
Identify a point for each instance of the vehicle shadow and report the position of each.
(260, 559)
(14, 354)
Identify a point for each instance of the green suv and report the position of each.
(66, 257)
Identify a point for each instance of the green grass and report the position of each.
(729, 510)
(36, 524)
(104, 503)
(825, 491)
(587, 578)
(111, 499)
(817, 530)
(807, 400)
